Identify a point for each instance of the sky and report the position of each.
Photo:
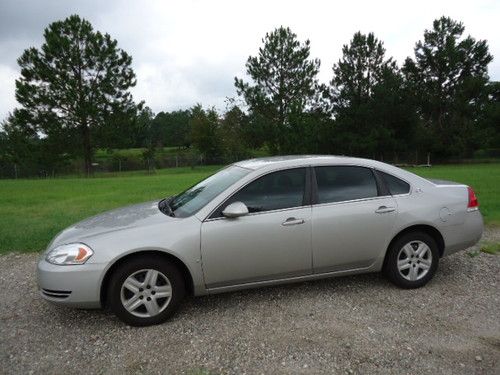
(187, 52)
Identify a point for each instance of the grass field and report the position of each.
(33, 211)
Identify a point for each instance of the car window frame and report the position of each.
(216, 213)
(379, 172)
(382, 190)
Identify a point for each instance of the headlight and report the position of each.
(73, 253)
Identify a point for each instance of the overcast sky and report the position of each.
(189, 51)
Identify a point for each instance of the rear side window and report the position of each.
(345, 183)
(274, 191)
(395, 185)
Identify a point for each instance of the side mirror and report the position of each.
(235, 209)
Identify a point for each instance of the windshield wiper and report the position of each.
(164, 206)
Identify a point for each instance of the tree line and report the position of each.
(74, 97)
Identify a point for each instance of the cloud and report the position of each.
(7, 87)
(188, 52)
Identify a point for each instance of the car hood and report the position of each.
(143, 214)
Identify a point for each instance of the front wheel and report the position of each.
(145, 291)
(412, 260)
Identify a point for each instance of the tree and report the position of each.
(78, 80)
(394, 116)
(19, 149)
(362, 67)
(144, 137)
(205, 133)
(233, 137)
(448, 75)
(30, 154)
(368, 99)
(283, 82)
(121, 129)
(172, 128)
(489, 119)
(141, 136)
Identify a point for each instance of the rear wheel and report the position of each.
(412, 260)
(145, 290)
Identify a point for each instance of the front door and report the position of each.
(272, 242)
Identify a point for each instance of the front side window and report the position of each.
(274, 191)
(196, 197)
(345, 183)
(395, 185)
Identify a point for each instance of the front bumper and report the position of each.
(72, 285)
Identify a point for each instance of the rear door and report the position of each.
(352, 218)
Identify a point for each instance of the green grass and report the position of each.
(136, 152)
(33, 211)
(491, 248)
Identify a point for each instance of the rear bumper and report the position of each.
(76, 285)
(463, 236)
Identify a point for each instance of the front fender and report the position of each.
(179, 238)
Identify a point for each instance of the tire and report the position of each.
(412, 260)
(147, 304)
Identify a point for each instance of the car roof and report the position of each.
(289, 161)
(277, 162)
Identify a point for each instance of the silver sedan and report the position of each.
(260, 222)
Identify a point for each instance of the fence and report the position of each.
(110, 165)
(118, 164)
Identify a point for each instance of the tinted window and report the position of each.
(274, 191)
(337, 184)
(395, 185)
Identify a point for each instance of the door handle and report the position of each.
(292, 221)
(384, 209)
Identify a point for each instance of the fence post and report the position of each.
(15, 171)
(176, 161)
(428, 159)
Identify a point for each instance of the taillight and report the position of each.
(473, 203)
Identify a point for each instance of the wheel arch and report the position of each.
(428, 229)
(188, 279)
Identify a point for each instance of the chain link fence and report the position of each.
(109, 165)
(117, 164)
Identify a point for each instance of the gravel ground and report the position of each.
(358, 324)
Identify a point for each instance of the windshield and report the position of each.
(196, 197)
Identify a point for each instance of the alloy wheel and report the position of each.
(146, 293)
(414, 260)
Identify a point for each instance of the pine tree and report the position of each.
(77, 83)
(449, 74)
(283, 82)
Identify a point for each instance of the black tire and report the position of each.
(132, 266)
(393, 255)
